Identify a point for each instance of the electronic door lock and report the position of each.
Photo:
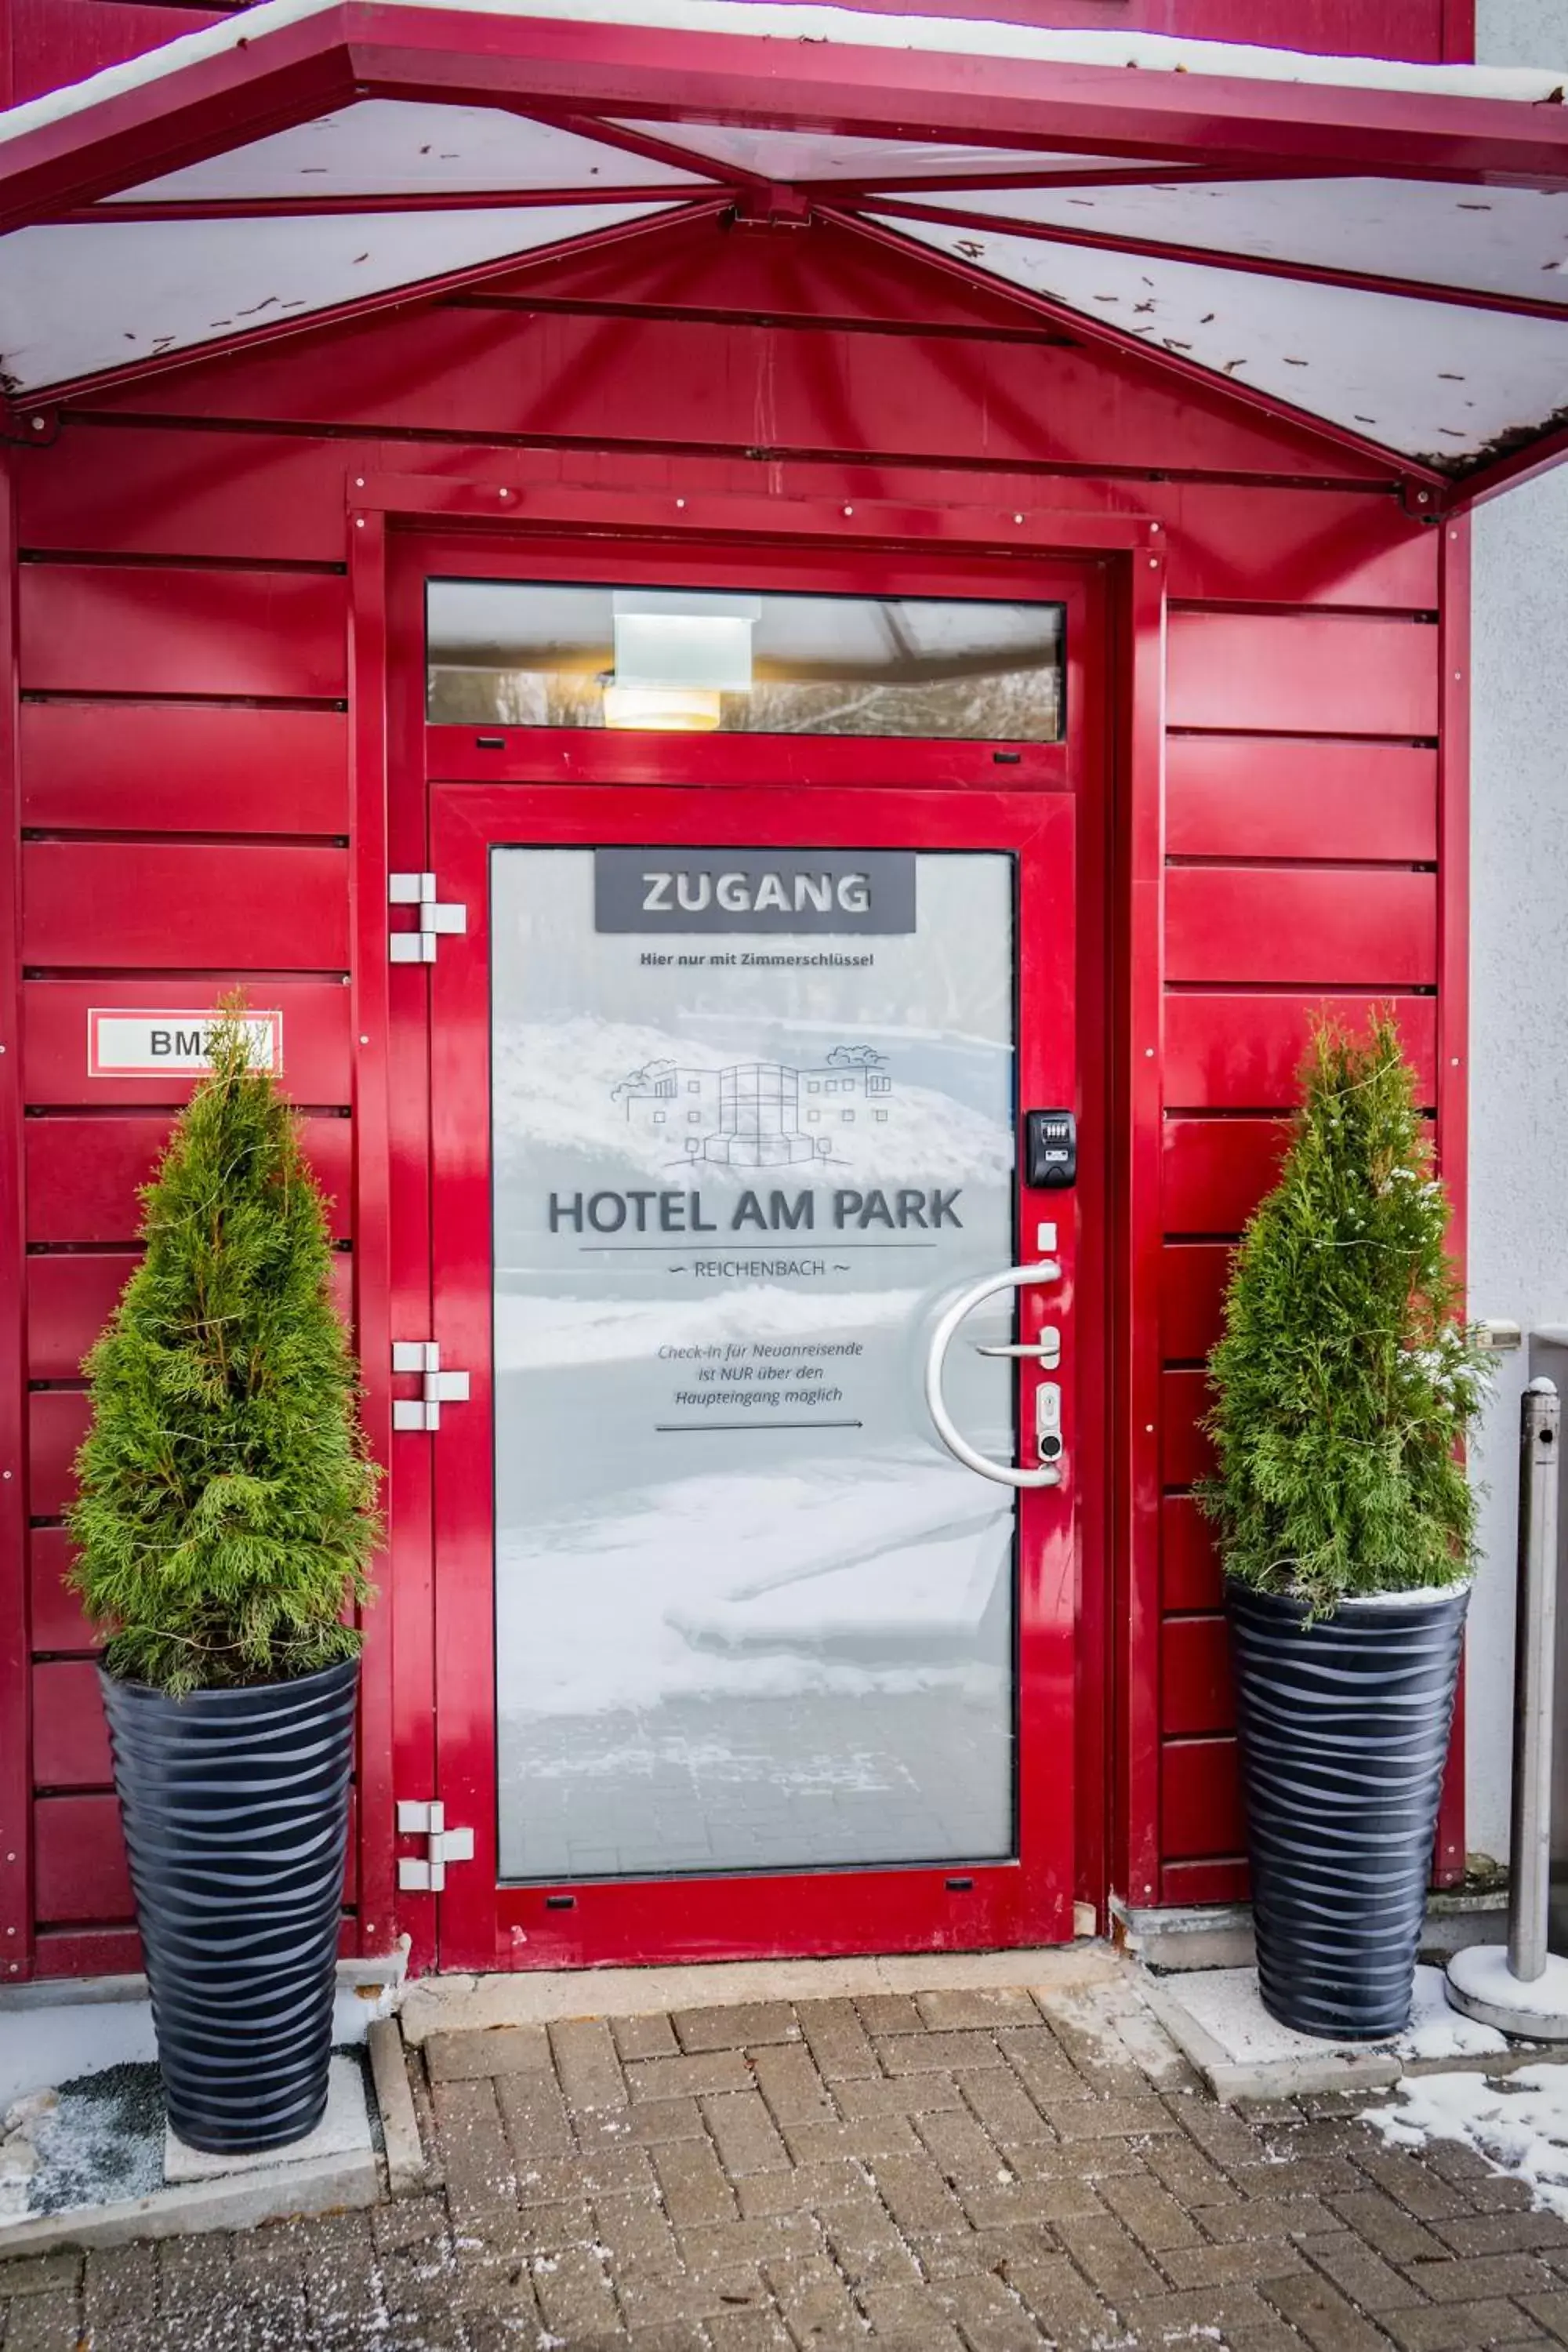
(1049, 1423)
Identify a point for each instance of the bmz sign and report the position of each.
(127, 1043)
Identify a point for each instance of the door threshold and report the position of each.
(449, 2004)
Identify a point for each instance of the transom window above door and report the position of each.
(539, 653)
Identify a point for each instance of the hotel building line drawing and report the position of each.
(758, 1114)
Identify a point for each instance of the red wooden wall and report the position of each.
(182, 622)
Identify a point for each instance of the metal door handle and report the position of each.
(1016, 1278)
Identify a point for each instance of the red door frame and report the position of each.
(397, 525)
(735, 1917)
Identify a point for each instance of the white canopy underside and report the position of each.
(1427, 316)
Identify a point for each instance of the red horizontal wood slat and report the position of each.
(155, 490)
(65, 1952)
(142, 490)
(1238, 1050)
(71, 1737)
(316, 1050)
(80, 1872)
(57, 1424)
(1217, 1169)
(1185, 1453)
(157, 767)
(1190, 1575)
(70, 1300)
(62, 1952)
(1195, 1694)
(1203, 1882)
(82, 1173)
(89, 628)
(1302, 674)
(57, 1622)
(1341, 927)
(1251, 546)
(1193, 1277)
(1244, 797)
(155, 905)
(591, 381)
(1201, 1812)
(72, 1294)
(82, 1875)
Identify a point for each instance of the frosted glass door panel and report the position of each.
(753, 1128)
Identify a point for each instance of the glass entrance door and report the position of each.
(735, 1653)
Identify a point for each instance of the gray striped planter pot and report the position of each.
(1344, 1735)
(235, 1808)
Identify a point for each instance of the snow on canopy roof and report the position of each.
(1376, 248)
(849, 28)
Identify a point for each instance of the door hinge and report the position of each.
(435, 916)
(436, 1388)
(442, 1845)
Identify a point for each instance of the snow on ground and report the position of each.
(1437, 2030)
(1519, 2123)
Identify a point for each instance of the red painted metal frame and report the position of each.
(400, 514)
(454, 200)
(1138, 962)
(679, 533)
(361, 49)
(16, 1612)
(1453, 1019)
(674, 518)
(373, 1292)
(914, 1908)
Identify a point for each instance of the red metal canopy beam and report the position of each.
(862, 189)
(784, 82)
(447, 200)
(362, 49)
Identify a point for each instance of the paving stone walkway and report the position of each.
(948, 2172)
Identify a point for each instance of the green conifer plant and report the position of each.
(226, 1506)
(1345, 1379)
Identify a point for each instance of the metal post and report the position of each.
(1535, 1637)
(1524, 1989)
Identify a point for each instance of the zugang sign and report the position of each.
(824, 891)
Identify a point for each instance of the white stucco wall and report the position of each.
(1519, 980)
